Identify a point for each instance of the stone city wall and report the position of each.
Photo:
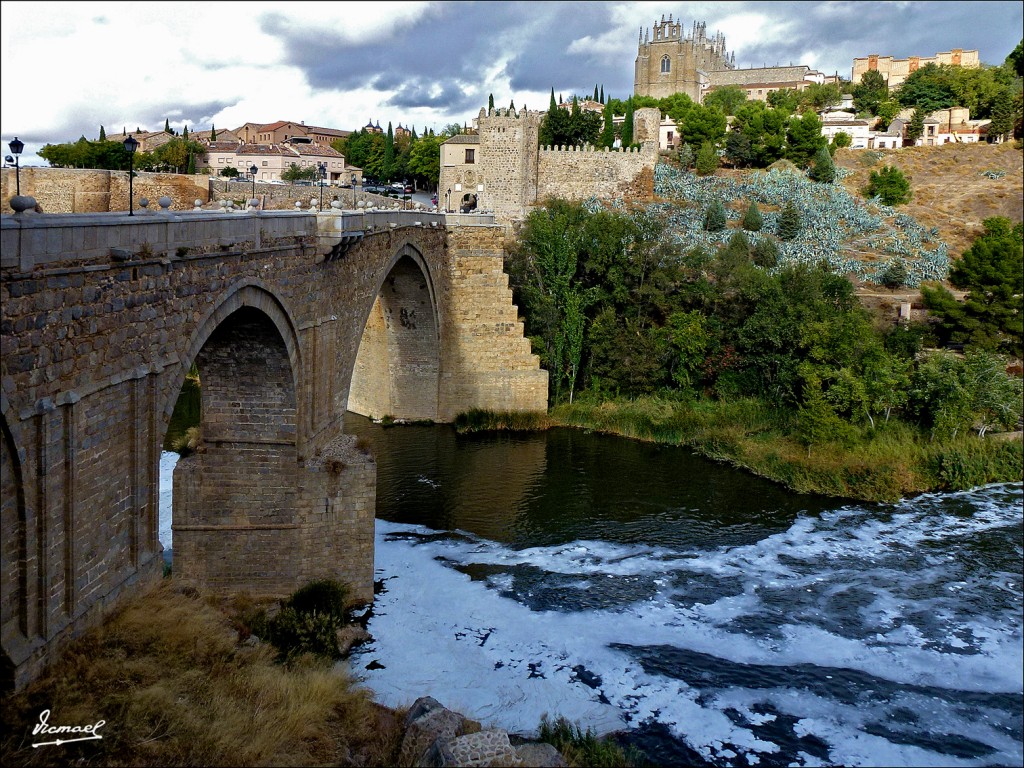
(579, 173)
(77, 190)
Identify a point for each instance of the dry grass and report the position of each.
(950, 192)
(175, 688)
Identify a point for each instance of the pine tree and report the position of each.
(707, 159)
(103, 134)
(790, 223)
(184, 135)
(388, 165)
(124, 131)
(714, 217)
(627, 124)
(191, 169)
(824, 170)
(752, 220)
(554, 104)
(915, 128)
(490, 103)
(686, 157)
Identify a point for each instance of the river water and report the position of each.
(709, 614)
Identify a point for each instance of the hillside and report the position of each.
(950, 191)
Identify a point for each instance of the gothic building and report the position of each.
(668, 62)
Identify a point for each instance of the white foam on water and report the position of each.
(168, 459)
(438, 632)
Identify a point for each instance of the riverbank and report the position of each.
(890, 462)
(174, 679)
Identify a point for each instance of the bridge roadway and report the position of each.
(291, 318)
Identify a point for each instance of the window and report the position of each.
(666, 64)
(470, 156)
(264, 163)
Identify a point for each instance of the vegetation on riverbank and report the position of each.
(175, 687)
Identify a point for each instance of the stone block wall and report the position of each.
(578, 173)
(489, 363)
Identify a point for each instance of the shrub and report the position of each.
(714, 217)
(707, 160)
(766, 253)
(752, 220)
(842, 139)
(890, 185)
(584, 748)
(790, 223)
(686, 157)
(309, 620)
(895, 274)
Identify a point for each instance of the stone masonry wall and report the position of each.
(576, 174)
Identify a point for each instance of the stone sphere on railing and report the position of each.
(361, 204)
(165, 202)
(22, 203)
(298, 205)
(143, 202)
(336, 204)
(197, 204)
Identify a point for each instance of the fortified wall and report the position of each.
(516, 174)
(74, 190)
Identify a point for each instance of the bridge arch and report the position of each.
(14, 604)
(397, 370)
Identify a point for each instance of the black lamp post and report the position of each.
(253, 170)
(17, 147)
(131, 145)
(322, 168)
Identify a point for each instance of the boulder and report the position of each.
(484, 748)
(427, 722)
(540, 755)
(350, 636)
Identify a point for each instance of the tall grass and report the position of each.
(893, 460)
(479, 420)
(583, 749)
(175, 688)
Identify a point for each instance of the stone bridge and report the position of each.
(291, 318)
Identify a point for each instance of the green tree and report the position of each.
(703, 124)
(294, 173)
(842, 139)
(490, 103)
(726, 99)
(690, 338)
(929, 88)
(707, 159)
(786, 99)
(895, 273)
(388, 163)
(425, 160)
(992, 273)
(1002, 116)
(190, 169)
(738, 149)
(765, 253)
(1015, 60)
(229, 172)
(890, 185)
(886, 112)
(608, 132)
(915, 128)
(627, 125)
(752, 219)
(686, 157)
(714, 216)
(870, 92)
(790, 222)
(817, 96)
(803, 138)
(103, 134)
(167, 126)
(823, 170)
(213, 132)
(766, 130)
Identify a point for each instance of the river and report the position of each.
(709, 614)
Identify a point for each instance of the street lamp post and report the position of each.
(131, 144)
(322, 168)
(253, 170)
(448, 200)
(17, 147)
(353, 191)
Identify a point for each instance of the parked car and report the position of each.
(375, 189)
(409, 189)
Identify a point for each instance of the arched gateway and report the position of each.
(290, 320)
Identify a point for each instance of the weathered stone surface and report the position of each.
(92, 366)
(540, 755)
(485, 748)
(435, 725)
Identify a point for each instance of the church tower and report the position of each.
(669, 62)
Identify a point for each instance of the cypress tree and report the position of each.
(608, 134)
(602, 94)
(124, 131)
(686, 157)
(103, 134)
(191, 164)
(752, 221)
(790, 223)
(627, 124)
(389, 153)
(512, 105)
(213, 132)
(184, 135)
(167, 126)
(824, 169)
(490, 103)
(714, 217)
(707, 159)
(554, 104)
(595, 91)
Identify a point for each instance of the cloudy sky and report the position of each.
(71, 67)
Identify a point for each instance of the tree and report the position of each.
(803, 138)
(752, 220)
(213, 132)
(915, 128)
(992, 273)
(707, 159)
(627, 124)
(823, 169)
(895, 273)
(167, 126)
(1002, 116)
(790, 222)
(714, 217)
(602, 94)
(686, 157)
(425, 160)
(765, 253)
(887, 111)
(608, 132)
(387, 170)
(1015, 60)
(841, 139)
(190, 169)
(819, 96)
(229, 172)
(490, 103)
(702, 124)
(184, 133)
(786, 99)
(929, 88)
(294, 173)
(738, 149)
(870, 92)
(726, 99)
(890, 185)
(103, 134)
